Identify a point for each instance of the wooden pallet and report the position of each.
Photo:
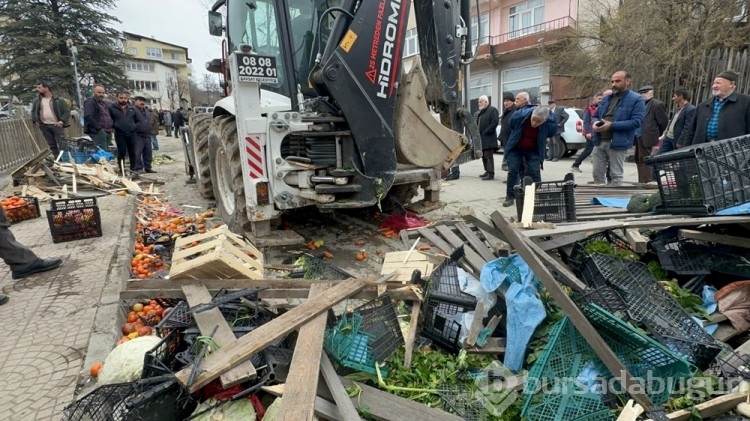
(403, 263)
(446, 236)
(219, 254)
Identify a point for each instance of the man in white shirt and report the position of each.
(51, 114)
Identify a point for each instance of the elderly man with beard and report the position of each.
(96, 119)
(124, 121)
(723, 116)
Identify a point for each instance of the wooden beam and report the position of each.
(527, 214)
(476, 324)
(475, 242)
(302, 380)
(727, 240)
(558, 242)
(236, 283)
(474, 259)
(493, 346)
(636, 240)
(712, 408)
(580, 321)
(223, 359)
(323, 408)
(411, 334)
(340, 396)
(212, 319)
(638, 223)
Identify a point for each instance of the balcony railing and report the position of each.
(526, 37)
(564, 23)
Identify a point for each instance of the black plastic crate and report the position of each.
(25, 212)
(160, 360)
(74, 219)
(705, 178)
(439, 325)
(735, 368)
(554, 201)
(605, 297)
(235, 313)
(651, 305)
(154, 399)
(443, 284)
(379, 320)
(682, 256)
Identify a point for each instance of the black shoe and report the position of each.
(555, 159)
(508, 202)
(41, 265)
(451, 177)
(3, 299)
(488, 176)
(484, 175)
(150, 171)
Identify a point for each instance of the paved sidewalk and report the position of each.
(50, 316)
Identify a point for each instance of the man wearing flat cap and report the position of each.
(723, 116)
(509, 106)
(647, 136)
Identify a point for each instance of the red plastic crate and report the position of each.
(25, 212)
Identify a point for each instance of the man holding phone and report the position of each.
(615, 122)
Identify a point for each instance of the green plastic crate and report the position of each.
(560, 371)
(350, 346)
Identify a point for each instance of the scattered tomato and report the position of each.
(95, 369)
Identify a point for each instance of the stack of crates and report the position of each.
(705, 178)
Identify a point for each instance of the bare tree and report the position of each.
(657, 41)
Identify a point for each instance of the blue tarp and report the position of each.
(512, 277)
(611, 202)
(735, 210)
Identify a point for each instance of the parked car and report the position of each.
(572, 138)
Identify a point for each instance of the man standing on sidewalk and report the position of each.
(487, 119)
(178, 120)
(684, 114)
(154, 128)
(654, 123)
(143, 149)
(123, 118)
(587, 131)
(168, 123)
(22, 261)
(97, 123)
(51, 114)
(615, 122)
(508, 107)
(561, 116)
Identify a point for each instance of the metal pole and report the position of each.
(74, 52)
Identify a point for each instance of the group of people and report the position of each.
(616, 120)
(130, 121)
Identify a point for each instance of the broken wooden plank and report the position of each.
(726, 240)
(476, 324)
(340, 396)
(638, 223)
(476, 261)
(712, 408)
(436, 240)
(527, 213)
(638, 242)
(225, 358)
(302, 379)
(493, 346)
(212, 319)
(323, 408)
(475, 241)
(558, 242)
(411, 334)
(580, 321)
(486, 228)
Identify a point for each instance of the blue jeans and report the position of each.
(154, 142)
(515, 159)
(667, 145)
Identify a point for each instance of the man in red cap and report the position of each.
(723, 116)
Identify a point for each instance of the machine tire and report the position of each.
(226, 170)
(569, 153)
(200, 125)
(561, 147)
(403, 194)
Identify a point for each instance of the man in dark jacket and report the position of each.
(487, 119)
(51, 114)
(508, 107)
(124, 121)
(684, 113)
(614, 124)
(143, 147)
(654, 123)
(587, 131)
(530, 127)
(154, 128)
(178, 120)
(561, 116)
(97, 123)
(723, 116)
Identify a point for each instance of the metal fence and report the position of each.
(20, 140)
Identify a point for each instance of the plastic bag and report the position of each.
(399, 222)
(101, 154)
(470, 285)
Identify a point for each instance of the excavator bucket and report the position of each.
(420, 138)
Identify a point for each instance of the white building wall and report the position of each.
(165, 95)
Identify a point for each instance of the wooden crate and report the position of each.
(394, 262)
(220, 254)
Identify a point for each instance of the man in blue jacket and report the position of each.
(615, 122)
(530, 126)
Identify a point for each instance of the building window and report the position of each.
(154, 52)
(412, 43)
(176, 56)
(144, 85)
(526, 18)
(133, 51)
(524, 79)
(140, 66)
(483, 32)
(480, 84)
